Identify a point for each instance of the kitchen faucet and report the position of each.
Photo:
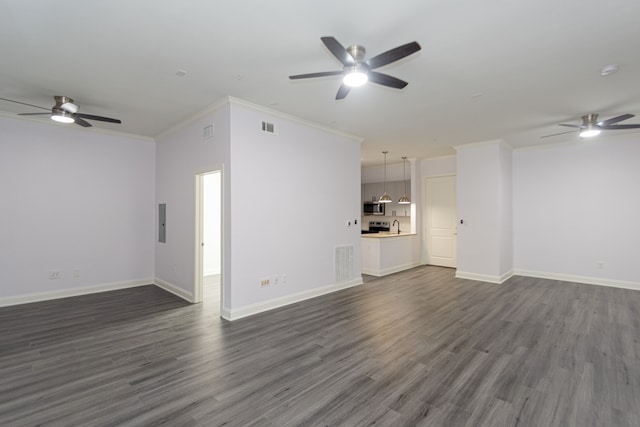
(394, 223)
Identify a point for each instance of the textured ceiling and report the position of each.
(487, 70)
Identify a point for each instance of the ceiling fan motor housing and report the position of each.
(357, 52)
(589, 119)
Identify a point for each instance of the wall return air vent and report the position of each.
(344, 267)
(268, 127)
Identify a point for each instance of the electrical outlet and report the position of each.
(264, 282)
(53, 275)
(348, 223)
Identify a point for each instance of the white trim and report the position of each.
(73, 292)
(249, 310)
(599, 281)
(485, 277)
(390, 270)
(176, 290)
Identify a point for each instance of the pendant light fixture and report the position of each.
(404, 200)
(385, 197)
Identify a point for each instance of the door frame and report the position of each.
(199, 237)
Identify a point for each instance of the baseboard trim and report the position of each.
(391, 270)
(249, 310)
(484, 277)
(73, 292)
(176, 290)
(599, 281)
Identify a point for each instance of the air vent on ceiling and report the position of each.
(268, 127)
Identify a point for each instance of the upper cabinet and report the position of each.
(395, 189)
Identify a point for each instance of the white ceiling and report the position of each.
(487, 69)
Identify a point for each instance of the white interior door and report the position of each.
(440, 221)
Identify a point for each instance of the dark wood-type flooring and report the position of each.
(417, 348)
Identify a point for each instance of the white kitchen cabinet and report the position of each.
(375, 191)
(395, 190)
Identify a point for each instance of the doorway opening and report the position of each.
(209, 239)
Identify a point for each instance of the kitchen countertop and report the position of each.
(385, 235)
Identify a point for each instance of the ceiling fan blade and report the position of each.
(392, 55)
(386, 80)
(613, 120)
(614, 127)
(343, 91)
(338, 50)
(321, 74)
(100, 118)
(568, 125)
(81, 122)
(24, 103)
(35, 114)
(556, 134)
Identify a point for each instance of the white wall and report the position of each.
(371, 174)
(73, 199)
(181, 155)
(271, 187)
(577, 205)
(293, 192)
(438, 166)
(484, 204)
(212, 227)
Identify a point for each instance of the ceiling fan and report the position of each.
(591, 126)
(356, 71)
(65, 111)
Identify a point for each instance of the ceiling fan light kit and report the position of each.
(61, 116)
(355, 77)
(589, 132)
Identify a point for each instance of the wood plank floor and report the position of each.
(418, 348)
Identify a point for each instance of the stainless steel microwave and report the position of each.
(373, 208)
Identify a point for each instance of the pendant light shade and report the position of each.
(404, 200)
(385, 198)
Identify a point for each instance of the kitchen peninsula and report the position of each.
(389, 252)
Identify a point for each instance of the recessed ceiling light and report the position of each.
(181, 73)
(609, 69)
